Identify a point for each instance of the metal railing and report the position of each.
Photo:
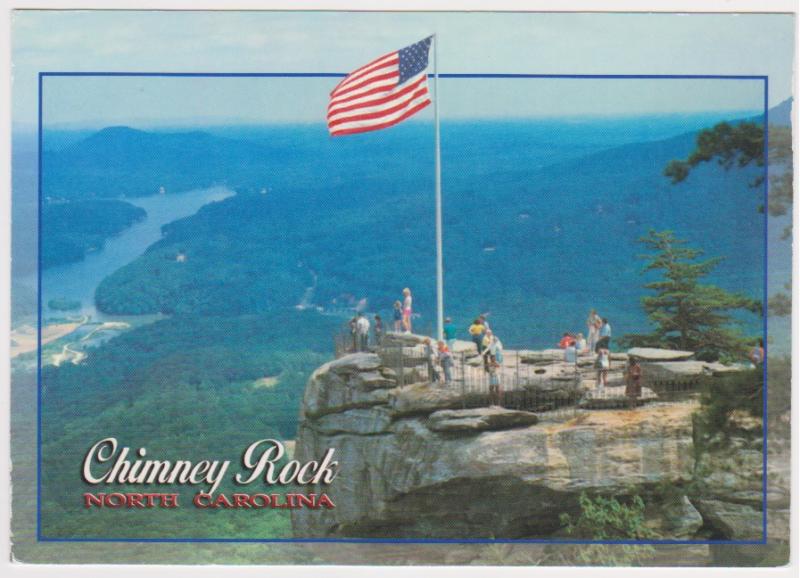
(548, 386)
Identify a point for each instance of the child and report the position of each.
(398, 317)
(494, 384)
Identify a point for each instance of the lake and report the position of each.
(78, 281)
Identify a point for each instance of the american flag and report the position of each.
(382, 93)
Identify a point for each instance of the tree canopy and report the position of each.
(688, 314)
(742, 145)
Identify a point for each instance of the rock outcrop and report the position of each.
(419, 459)
(415, 462)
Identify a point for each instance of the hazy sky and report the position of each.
(339, 42)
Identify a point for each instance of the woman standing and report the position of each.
(476, 332)
(593, 323)
(633, 383)
(407, 310)
(492, 348)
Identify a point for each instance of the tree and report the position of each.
(742, 145)
(688, 314)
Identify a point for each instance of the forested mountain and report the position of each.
(71, 229)
(532, 246)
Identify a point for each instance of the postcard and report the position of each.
(440, 288)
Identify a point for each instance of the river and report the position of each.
(78, 281)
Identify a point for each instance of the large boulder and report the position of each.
(655, 354)
(424, 399)
(479, 419)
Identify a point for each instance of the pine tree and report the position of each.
(686, 313)
(742, 145)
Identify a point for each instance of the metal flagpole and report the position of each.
(439, 271)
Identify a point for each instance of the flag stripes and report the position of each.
(381, 93)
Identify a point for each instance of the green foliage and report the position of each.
(605, 519)
(71, 229)
(731, 144)
(687, 314)
(185, 388)
(742, 145)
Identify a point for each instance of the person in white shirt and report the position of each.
(580, 343)
(362, 330)
(492, 349)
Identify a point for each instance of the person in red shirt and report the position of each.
(566, 341)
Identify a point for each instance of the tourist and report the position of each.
(477, 331)
(602, 364)
(593, 324)
(354, 332)
(571, 353)
(633, 382)
(449, 333)
(484, 321)
(362, 329)
(580, 343)
(407, 309)
(446, 361)
(378, 329)
(432, 360)
(398, 317)
(757, 354)
(605, 335)
(495, 395)
(566, 340)
(492, 348)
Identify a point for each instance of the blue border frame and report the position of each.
(42, 538)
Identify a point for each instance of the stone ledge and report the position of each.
(479, 419)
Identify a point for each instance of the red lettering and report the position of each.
(265, 500)
(324, 500)
(90, 500)
(222, 501)
(202, 500)
(303, 500)
(169, 500)
(135, 501)
(241, 500)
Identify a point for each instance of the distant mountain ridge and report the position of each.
(534, 245)
(120, 161)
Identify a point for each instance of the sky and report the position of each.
(533, 43)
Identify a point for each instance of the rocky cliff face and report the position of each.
(415, 463)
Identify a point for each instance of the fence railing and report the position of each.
(518, 383)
